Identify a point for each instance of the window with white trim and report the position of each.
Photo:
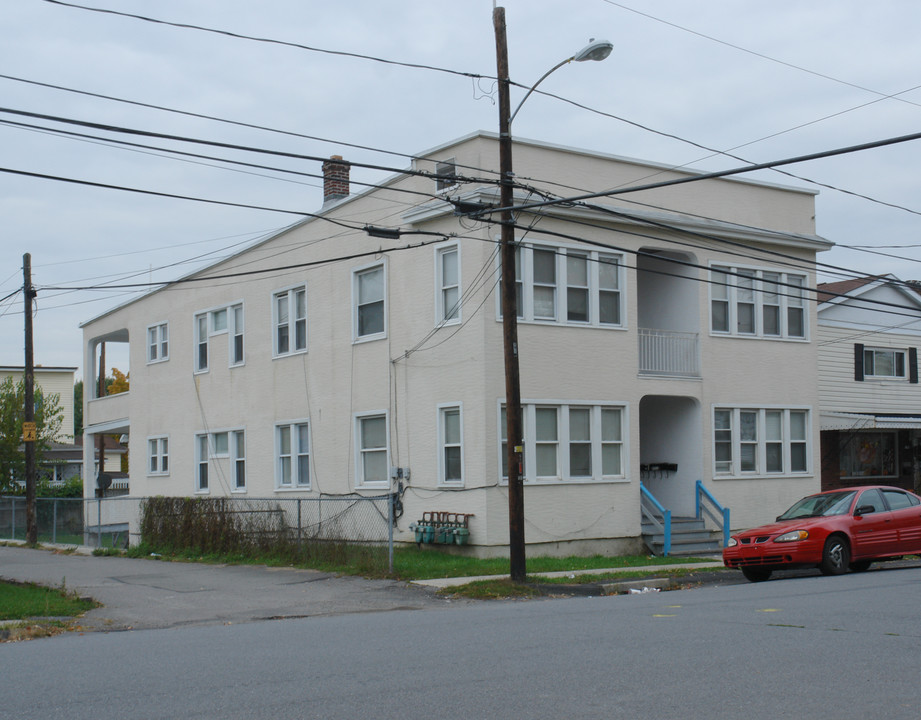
(369, 312)
(446, 172)
(447, 280)
(568, 286)
(884, 363)
(451, 442)
(292, 453)
(750, 302)
(238, 456)
(289, 309)
(202, 460)
(158, 343)
(227, 320)
(579, 443)
(372, 450)
(158, 455)
(760, 441)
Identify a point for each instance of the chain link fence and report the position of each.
(330, 529)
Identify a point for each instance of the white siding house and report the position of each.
(665, 337)
(869, 332)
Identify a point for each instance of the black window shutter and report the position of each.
(858, 362)
(913, 365)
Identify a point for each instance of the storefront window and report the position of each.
(868, 454)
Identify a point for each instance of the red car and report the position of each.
(833, 531)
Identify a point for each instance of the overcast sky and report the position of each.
(763, 80)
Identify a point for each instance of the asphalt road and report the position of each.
(147, 593)
(802, 647)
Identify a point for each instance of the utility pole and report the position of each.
(28, 425)
(514, 434)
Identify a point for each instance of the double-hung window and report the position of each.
(158, 343)
(290, 318)
(568, 286)
(202, 460)
(227, 320)
(238, 457)
(450, 434)
(372, 450)
(292, 453)
(760, 441)
(369, 312)
(447, 278)
(750, 302)
(580, 443)
(158, 455)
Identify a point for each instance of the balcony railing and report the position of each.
(663, 352)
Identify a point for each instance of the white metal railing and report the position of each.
(663, 352)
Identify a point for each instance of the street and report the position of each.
(803, 647)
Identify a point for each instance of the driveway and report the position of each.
(150, 593)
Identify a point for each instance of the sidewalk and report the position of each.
(439, 583)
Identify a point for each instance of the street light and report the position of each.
(595, 50)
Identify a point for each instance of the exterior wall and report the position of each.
(842, 393)
(418, 368)
(59, 381)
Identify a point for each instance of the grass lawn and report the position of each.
(412, 563)
(24, 601)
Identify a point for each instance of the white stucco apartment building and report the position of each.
(665, 336)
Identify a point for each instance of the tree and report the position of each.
(119, 384)
(49, 417)
(78, 409)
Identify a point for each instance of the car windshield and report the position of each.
(835, 503)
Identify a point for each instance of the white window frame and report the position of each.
(158, 455)
(356, 275)
(219, 320)
(597, 441)
(441, 287)
(289, 295)
(202, 463)
(157, 343)
(732, 468)
(729, 287)
(237, 439)
(296, 452)
(361, 451)
(235, 330)
(444, 445)
(896, 354)
(446, 167)
(526, 284)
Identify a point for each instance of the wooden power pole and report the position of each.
(28, 426)
(513, 434)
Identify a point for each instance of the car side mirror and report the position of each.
(865, 510)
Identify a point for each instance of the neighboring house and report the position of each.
(64, 458)
(52, 381)
(664, 336)
(869, 331)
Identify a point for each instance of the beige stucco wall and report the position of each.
(459, 364)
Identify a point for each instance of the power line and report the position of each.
(298, 46)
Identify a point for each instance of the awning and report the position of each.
(866, 421)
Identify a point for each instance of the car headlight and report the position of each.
(732, 542)
(792, 536)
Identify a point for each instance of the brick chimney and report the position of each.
(335, 179)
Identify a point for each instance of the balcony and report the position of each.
(669, 354)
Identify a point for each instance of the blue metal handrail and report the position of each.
(701, 494)
(666, 525)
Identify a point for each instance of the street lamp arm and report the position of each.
(534, 86)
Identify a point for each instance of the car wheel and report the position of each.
(836, 556)
(861, 565)
(756, 574)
